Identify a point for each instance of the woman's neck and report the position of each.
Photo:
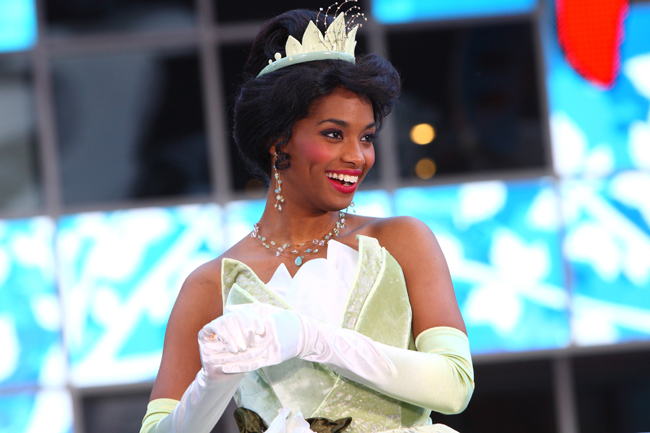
(295, 224)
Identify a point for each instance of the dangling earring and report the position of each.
(351, 209)
(278, 184)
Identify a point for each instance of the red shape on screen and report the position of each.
(590, 33)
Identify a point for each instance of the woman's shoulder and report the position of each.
(212, 270)
(395, 233)
(407, 239)
(202, 286)
(209, 273)
(399, 223)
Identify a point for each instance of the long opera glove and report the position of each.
(439, 376)
(208, 395)
(199, 409)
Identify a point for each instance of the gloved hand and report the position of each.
(237, 330)
(208, 395)
(244, 338)
(251, 336)
(439, 376)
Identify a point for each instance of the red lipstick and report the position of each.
(346, 189)
(342, 188)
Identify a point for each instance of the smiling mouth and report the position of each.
(345, 179)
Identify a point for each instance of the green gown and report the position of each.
(378, 307)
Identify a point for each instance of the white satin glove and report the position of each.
(238, 329)
(251, 336)
(208, 395)
(439, 376)
(201, 406)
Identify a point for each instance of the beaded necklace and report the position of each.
(340, 224)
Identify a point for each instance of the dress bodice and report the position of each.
(376, 305)
(321, 287)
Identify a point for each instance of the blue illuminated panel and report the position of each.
(598, 132)
(502, 246)
(406, 11)
(30, 318)
(46, 411)
(607, 246)
(18, 25)
(240, 217)
(120, 275)
(377, 203)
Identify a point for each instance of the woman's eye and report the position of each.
(369, 138)
(333, 134)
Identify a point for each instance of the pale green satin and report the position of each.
(378, 307)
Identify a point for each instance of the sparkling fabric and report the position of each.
(378, 307)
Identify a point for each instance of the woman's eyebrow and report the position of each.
(344, 123)
(336, 121)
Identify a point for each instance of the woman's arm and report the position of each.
(427, 277)
(190, 393)
(438, 376)
(198, 303)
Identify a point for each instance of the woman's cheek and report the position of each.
(369, 155)
(318, 153)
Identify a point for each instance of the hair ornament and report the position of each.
(337, 43)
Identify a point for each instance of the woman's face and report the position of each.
(331, 151)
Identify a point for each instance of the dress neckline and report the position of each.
(335, 248)
(248, 287)
(321, 287)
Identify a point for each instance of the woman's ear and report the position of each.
(272, 150)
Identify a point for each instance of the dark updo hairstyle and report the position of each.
(267, 107)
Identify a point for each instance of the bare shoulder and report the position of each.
(202, 290)
(401, 235)
(412, 243)
(203, 286)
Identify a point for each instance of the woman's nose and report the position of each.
(353, 154)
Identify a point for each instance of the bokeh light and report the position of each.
(425, 168)
(422, 134)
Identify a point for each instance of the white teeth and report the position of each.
(343, 177)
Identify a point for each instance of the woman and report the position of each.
(318, 312)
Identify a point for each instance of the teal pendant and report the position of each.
(298, 261)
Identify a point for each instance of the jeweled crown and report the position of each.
(337, 43)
